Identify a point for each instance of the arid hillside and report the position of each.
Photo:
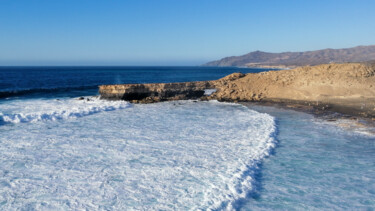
(349, 85)
(294, 59)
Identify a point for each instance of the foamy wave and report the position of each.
(165, 156)
(19, 92)
(356, 126)
(243, 181)
(51, 110)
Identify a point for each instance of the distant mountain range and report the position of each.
(293, 59)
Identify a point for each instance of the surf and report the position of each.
(171, 155)
(34, 110)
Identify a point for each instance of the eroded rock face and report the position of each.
(148, 93)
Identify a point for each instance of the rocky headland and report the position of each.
(346, 88)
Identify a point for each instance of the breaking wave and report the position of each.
(181, 155)
(22, 92)
(51, 110)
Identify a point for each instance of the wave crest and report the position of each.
(54, 90)
(52, 110)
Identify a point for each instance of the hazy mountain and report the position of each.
(260, 58)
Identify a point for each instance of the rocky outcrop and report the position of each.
(342, 86)
(348, 88)
(148, 93)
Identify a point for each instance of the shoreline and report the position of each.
(326, 114)
(341, 109)
(348, 89)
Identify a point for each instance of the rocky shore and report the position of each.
(150, 93)
(346, 88)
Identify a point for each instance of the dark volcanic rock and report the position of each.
(149, 93)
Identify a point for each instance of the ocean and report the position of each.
(61, 153)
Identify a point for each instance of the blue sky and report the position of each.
(174, 32)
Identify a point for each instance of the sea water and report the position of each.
(61, 153)
(174, 155)
(76, 81)
(317, 165)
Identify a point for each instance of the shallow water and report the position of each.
(60, 153)
(315, 166)
(79, 154)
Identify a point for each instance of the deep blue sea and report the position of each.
(61, 153)
(75, 81)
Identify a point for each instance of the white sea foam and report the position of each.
(349, 125)
(180, 155)
(209, 91)
(51, 110)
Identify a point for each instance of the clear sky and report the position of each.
(174, 32)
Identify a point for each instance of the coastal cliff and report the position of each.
(346, 88)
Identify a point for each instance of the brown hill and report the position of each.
(294, 59)
(347, 88)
